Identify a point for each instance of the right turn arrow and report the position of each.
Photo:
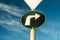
(28, 18)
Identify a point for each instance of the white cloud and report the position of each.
(11, 9)
(51, 30)
(12, 24)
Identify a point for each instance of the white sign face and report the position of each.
(33, 3)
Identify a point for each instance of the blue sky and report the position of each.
(11, 28)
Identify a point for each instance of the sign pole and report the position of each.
(32, 34)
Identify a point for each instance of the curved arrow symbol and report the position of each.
(27, 22)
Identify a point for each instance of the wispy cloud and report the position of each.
(8, 20)
(51, 29)
(11, 9)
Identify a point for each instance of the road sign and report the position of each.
(33, 3)
(33, 19)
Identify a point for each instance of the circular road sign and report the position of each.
(33, 19)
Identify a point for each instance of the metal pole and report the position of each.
(32, 34)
